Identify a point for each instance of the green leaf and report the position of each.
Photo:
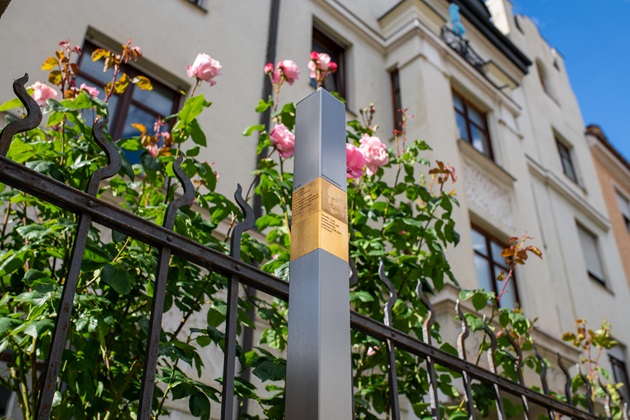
(250, 130)
(7, 324)
(36, 328)
(199, 405)
(263, 105)
(270, 371)
(94, 258)
(117, 277)
(132, 144)
(12, 104)
(196, 133)
(191, 109)
(479, 301)
(361, 295)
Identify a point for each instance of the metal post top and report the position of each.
(323, 92)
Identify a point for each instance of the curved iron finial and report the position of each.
(393, 296)
(493, 369)
(607, 400)
(461, 351)
(32, 120)
(493, 345)
(519, 370)
(112, 154)
(184, 200)
(353, 275)
(430, 319)
(567, 380)
(519, 357)
(589, 389)
(543, 370)
(247, 223)
(465, 332)
(625, 411)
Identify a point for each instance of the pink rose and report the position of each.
(354, 161)
(374, 152)
(283, 140)
(90, 89)
(289, 70)
(204, 68)
(320, 67)
(268, 68)
(42, 92)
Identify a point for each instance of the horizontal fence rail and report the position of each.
(91, 209)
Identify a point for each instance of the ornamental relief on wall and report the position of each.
(489, 199)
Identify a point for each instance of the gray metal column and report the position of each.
(319, 366)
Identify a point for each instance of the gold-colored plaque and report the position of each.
(320, 220)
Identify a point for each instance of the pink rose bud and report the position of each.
(289, 70)
(90, 89)
(268, 68)
(283, 140)
(354, 161)
(314, 55)
(323, 62)
(42, 92)
(374, 152)
(204, 68)
(332, 67)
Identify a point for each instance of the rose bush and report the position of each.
(406, 223)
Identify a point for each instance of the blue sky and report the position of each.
(594, 39)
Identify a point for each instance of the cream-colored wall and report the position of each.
(523, 191)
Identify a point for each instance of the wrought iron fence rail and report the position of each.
(107, 214)
(91, 209)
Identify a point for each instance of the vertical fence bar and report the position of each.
(461, 352)
(567, 380)
(392, 375)
(519, 370)
(157, 306)
(543, 377)
(426, 337)
(229, 357)
(62, 321)
(319, 366)
(493, 369)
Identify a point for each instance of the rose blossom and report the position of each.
(204, 68)
(289, 70)
(90, 89)
(354, 161)
(42, 92)
(374, 152)
(320, 67)
(268, 68)
(283, 140)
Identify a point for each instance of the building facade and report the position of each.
(495, 102)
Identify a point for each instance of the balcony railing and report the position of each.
(462, 46)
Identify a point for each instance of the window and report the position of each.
(198, 3)
(472, 125)
(336, 82)
(134, 105)
(489, 264)
(396, 98)
(567, 163)
(624, 208)
(594, 266)
(620, 373)
(543, 77)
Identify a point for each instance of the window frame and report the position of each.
(126, 100)
(601, 279)
(622, 369)
(624, 207)
(465, 113)
(569, 169)
(488, 239)
(337, 53)
(394, 79)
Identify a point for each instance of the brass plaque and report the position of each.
(320, 214)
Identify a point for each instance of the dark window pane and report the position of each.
(160, 99)
(479, 140)
(476, 117)
(461, 126)
(484, 274)
(457, 103)
(137, 116)
(324, 44)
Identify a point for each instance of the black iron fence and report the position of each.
(93, 210)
